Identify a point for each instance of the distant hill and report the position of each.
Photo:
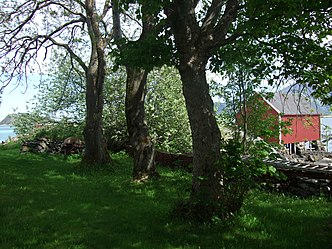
(306, 92)
(219, 106)
(296, 89)
(8, 120)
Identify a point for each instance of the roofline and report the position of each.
(270, 104)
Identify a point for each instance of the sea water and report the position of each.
(6, 132)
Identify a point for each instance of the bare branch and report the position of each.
(70, 51)
(19, 28)
(22, 43)
(65, 25)
(231, 38)
(132, 19)
(69, 10)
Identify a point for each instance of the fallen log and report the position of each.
(171, 160)
(180, 161)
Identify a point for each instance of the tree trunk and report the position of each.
(243, 109)
(207, 175)
(195, 42)
(143, 148)
(95, 146)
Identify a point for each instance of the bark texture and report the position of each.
(142, 145)
(143, 148)
(206, 183)
(194, 44)
(95, 146)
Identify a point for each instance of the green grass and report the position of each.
(45, 203)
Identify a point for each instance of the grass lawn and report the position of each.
(45, 203)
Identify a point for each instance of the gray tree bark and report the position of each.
(95, 146)
(194, 43)
(142, 145)
(207, 176)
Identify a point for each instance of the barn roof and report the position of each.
(293, 104)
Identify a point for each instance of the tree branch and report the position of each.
(70, 51)
(224, 24)
(107, 7)
(212, 16)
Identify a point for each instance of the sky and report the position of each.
(14, 99)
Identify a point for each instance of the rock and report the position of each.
(34, 146)
(312, 181)
(325, 160)
(311, 158)
(72, 145)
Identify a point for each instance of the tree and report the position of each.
(245, 112)
(138, 65)
(327, 135)
(166, 111)
(95, 147)
(200, 29)
(60, 102)
(61, 94)
(41, 25)
(142, 145)
(195, 42)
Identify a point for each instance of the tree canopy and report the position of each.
(82, 29)
(283, 42)
(275, 40)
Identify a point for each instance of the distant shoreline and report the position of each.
(7, 133)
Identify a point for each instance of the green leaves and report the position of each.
(153, 51)
(284, 41)
(166, 111)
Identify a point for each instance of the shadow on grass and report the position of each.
(46, 204)
(288, 222)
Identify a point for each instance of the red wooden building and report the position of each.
(300, 112)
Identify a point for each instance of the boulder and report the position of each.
(72, 145)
